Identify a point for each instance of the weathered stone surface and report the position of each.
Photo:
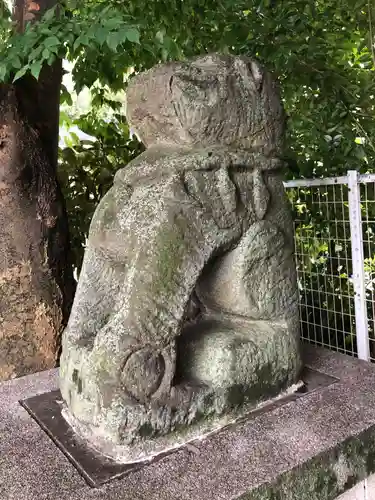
(186, 310)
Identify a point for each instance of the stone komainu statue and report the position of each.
(186, 311)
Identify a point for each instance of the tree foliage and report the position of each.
(322, 51)
(87, 166)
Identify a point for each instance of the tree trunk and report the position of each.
(36, 280)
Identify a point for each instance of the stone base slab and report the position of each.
(98, 469)
(311, 448)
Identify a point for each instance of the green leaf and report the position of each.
(3, 72)
(74, 138)
(51, 41)
(35, 53)
(16, 62)
(113, 23)
(35, 69)
(72, 4)
(360, 153)
(132, 34)
(50, 14)
(160, 36)
(51, 59)
(65, 118)
(113, 41)
(100, 35)
(81, 40)
(164, 54)
(65, 96)
(20, 73)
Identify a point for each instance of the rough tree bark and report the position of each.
(36, 281)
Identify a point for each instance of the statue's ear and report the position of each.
(257, 74)
(251, 73)
(181, 99)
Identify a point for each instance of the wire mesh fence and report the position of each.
(324, 265)
(335, 254)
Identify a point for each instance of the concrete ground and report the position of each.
(292, 449)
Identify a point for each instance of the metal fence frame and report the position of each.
(353, 180)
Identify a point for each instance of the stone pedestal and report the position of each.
(312, 448)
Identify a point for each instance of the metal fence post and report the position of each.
(355, 219)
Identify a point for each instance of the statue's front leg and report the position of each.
(137, 346)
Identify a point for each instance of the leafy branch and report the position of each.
(66, 34)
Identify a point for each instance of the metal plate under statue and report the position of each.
(186, 312)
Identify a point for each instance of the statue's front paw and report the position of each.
(143, 373)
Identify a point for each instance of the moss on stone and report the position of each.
(79, 385)
(325, 476)
(170, 251)
(146, 430)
